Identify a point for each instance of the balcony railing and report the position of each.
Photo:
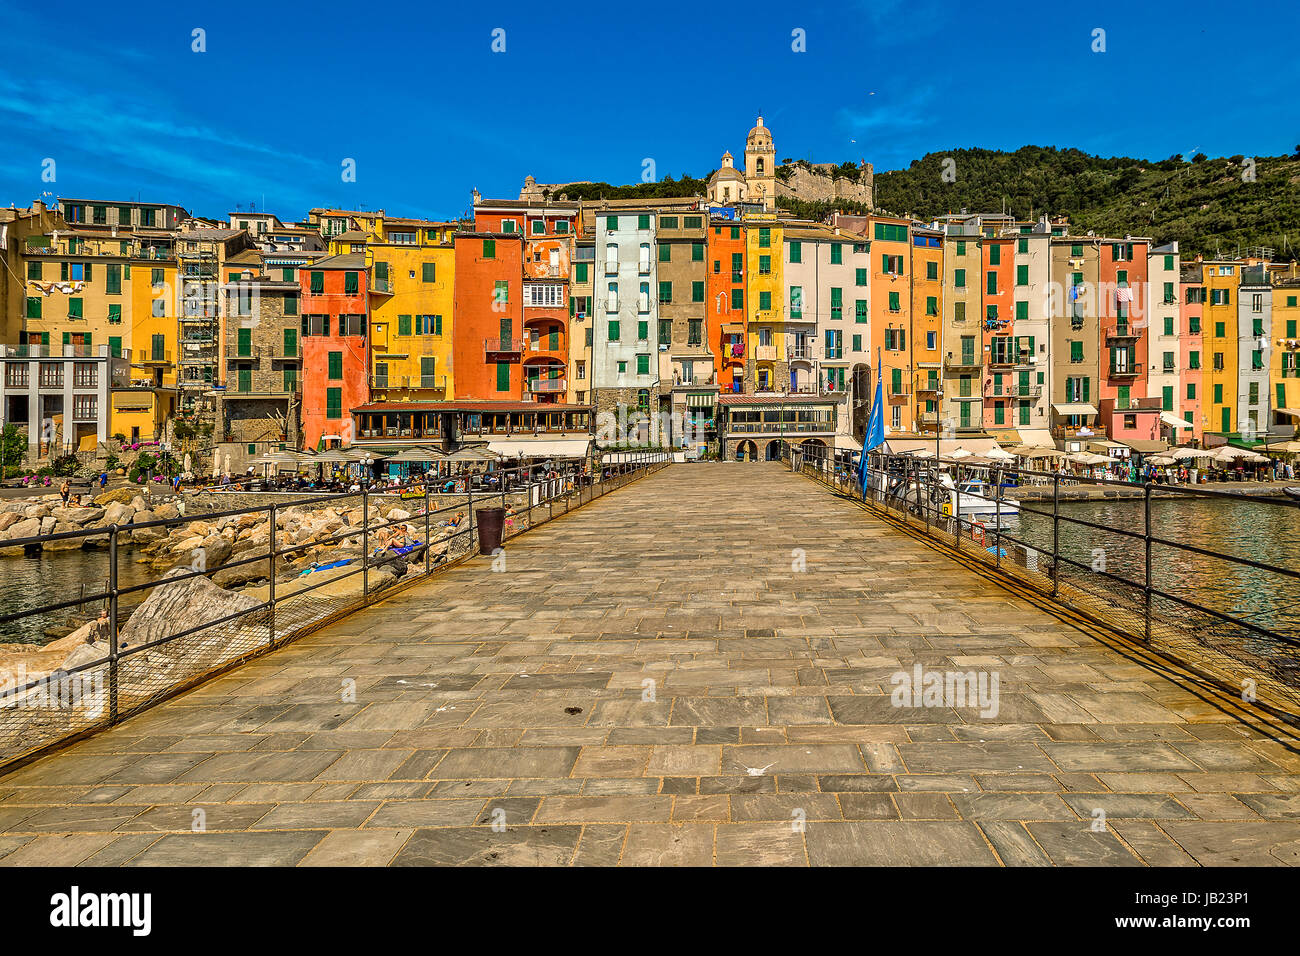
(765, 353)
(1123, 330)
(694, 381)
(430, 382)
(155, 357)
(964, 360)
(801, 352)
(1129, 371)
(503, 346)
(546, 386)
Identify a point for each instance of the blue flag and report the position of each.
(875, 436)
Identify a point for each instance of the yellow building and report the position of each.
(1219, 331)
(412, 284)
(1284, 367)
(769, 369)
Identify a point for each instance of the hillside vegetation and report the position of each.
(1205, 204)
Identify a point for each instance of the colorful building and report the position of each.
(334, 299)
(488, 348)
(725, 300)
(768, 369)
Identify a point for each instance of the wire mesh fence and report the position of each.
(1229, 617)
(230, 585)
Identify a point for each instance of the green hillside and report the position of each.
(1205, 204)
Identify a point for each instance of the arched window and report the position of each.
(611, 259)
(645, 259)
(643, 298)
(759, 165)
(611, 300)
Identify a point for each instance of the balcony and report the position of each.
(155, 357)
(966, 360)
(434, 383)
(695, 381)
(765, 353)
(1123, 330)
(1079, 432)
(928, 387)
(899, 390)
(1128, 371)
(546, 386)
(798, 315)
(800, 353)
(503, 346)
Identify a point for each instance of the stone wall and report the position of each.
(816, 183)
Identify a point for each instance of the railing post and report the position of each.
(997, 518)
(925, 505)
(469, 506)
(365, 543)
(270, 594)
(428, 543)
(112, 625)
(956, 498)
(1056, 533)
(1146, 527)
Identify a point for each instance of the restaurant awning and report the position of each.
(1290, 412)
(1144, 446)
(973, 445)
(1075, 408)
(1169, 418)
(1036, 437)
(847, 443)
(540, 447)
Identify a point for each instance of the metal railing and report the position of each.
(1158, 588)
(144, 665)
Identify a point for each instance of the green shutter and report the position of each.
(333, 403)
(403, 325)
(318, 283)
(428, 271)
(291, 342)
(335, 365)
(503, 376)
(245, 341)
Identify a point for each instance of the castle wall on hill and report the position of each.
(817, 184)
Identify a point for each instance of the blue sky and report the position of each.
(413, 92)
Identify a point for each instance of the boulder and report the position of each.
(64, 544)
(86, 654)
(24, 528)
(48, 523)
(116, 513)
(139, 504)
(340, 584)
(8, 519)
(240, 575)
(216, 551)
(166, 511)
(397, 514)
(181, 605)
(116, 496)
(78, 516)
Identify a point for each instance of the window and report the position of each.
(1193, 359)
(244, 339)
(489, 248)
(764, 301)
(1168, 361)
(613, 331)
(1076, 351)
(350, 283)
(1191, 390)
(894, 305)
(695, 332)
(665, 292)
(697, 291)
(665, 331)
(33, 307)
(959, 279)
(611, 223)
(503, 376)
(335, 364)
(403, 325)
(993, 282)
(860, 313)
(697, 252)
(290, 343)
(1022, 274)
(333, 403)
(764, 265)
(114, 315)
(995, 255)
(796, 251)
(317, 283)
(860, 276)
(837, 253)
(501, 292)
(764, 238)
(796, 302)
(837, 303)
(539, 227)
(643, 364)
(428, 271)
(665, 252)
(643, 221)
(643, 331)
(74, 309)
(544, 294)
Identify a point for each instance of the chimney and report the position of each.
(38, 207)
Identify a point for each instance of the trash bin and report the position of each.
(491, 521)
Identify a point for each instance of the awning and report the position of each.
(1075, 408)
(1036, 437)
(1291, 412)
(847, 443)
(1104, 444)
(1169, 418)
(1144, 446)
(1006, 436)
(974, 445)
(540, 447)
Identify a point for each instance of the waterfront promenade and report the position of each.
(695, 669)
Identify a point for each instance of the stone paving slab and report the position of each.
(695, 670)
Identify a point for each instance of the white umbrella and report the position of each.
(1227, 453)
(1187, 454)
(999, 453)
(1163, 460)
(958, 452)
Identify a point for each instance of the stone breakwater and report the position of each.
(233, 554)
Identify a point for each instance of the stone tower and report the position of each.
(760, 164)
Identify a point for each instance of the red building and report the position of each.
(724, 302)
(335, 316)
(1125, 334)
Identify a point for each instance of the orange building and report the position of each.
(488, 347)
(891, 316)
(724, 302)
(927, 312)
(334, 321)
